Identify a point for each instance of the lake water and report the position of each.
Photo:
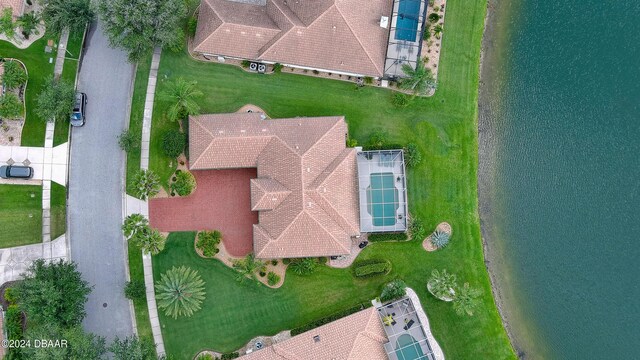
(560, 174)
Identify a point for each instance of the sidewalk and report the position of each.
(14, 261)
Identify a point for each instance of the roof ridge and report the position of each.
(325, 133)
(347, 250)
(222, 22)
(279, 350)
(213, 138)
(364, 48)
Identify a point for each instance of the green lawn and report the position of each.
(39, 69)
(442, 188)
(58, 210)
(135, 121)
(20, 215)
(69, 72)
(136, 272)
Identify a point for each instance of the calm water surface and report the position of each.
(560, 151)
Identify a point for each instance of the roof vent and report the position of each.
(384, 22)
(263, 130)
(316, 338)
(220, 131)
(243, 131)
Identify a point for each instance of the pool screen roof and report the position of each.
(407, 338)
(405, 35)
(382, 190)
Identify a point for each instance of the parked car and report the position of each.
(78, 113)
(16, 172)
(363, 244)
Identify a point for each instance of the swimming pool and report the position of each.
(407, 20)
(382, 199)
(407, 348)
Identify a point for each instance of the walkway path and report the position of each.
(96, 174)
(14, 261)
(142, 207)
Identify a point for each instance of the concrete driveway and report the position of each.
(96, 174)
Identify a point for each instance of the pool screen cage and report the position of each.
(405, 36)
(382, 189)
(407, 337)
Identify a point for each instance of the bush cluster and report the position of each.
(134, 290)
(373, 267)
(208, 242)
(417, 228)
(273, 278)
(328, 319)
(434, 17)
(393, 290)
(400, 99)
(412, 155)
(173, 143)
(184, 184)
(391, 236)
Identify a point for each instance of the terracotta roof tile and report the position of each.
(16, 6)
(306, 191)
(338, 35)
(359, 336)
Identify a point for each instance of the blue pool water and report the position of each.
(407, 348)
(407, 22)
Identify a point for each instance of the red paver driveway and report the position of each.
(222, 201)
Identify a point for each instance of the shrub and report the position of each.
(466, 300)
(368, 80)
(13, 319)
(392, 236)
(440, 239)
(328, 319)
(277, 68)
(10, 295)
(323, 260)
(400, 99)
(417, 228)
(377, 140)
(286, 261)
(412, 155)
(434, 17)
(184, 184)
(303, 266)
(134, 290)
(442, 284)
(205, 357)
(146, 184)
(351, 142)
(373, 267)
(262, 274)
(14, 74)
(208, 242)
(10, 106)
(426, 35)
(128, 141)
(274, 262)
(229, 356)
(393, 290)
(273, 278)
(316, 72)
(192, 25)
(245, 64)
(173, 143)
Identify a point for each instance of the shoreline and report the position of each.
(487, 166)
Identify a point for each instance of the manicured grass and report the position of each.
(58, 210)
(137, 113)
(232, 311)
(69, 72)
(39, 69)
(442, 188)
(136, 272)
(20, 215)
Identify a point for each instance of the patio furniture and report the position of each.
(388, 320)
(409, 324)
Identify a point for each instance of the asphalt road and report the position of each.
(96, 176)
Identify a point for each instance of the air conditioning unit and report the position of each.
(384, 22)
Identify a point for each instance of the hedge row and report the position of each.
(377, 268)
(328, 319)
(392, 236)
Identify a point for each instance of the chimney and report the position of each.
(384, 22)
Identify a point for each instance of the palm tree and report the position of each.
(14, 74)
(146, 184)
(180, 292)
(419, 80)
(149, 240)
(134, 224)
(247, 267)
(304, 266)
(466, 300)
(182, 94)
(442, 285)
(29, 23)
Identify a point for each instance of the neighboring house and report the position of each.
(306, 190)
(350, 37)
(16, 6)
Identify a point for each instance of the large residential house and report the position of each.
(351, 37)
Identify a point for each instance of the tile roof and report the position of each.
(306, 190)
(17, 6)
(338, 35)
(359, 336)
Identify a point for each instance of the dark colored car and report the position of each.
(78, 113)
(363, 244)
(16, 172)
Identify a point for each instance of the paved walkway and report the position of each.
(230, 190)
(142, 207)
(14, 261)
(48, 163)
(62, 50)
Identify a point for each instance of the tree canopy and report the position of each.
(419, 80)
(74, 14)
(180, 292)
(137, 26)
(56, 99)
(133, 348)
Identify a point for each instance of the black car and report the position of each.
(16, 172)
(363, 244)
(78, 113)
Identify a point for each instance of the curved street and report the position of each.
(96, 174)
